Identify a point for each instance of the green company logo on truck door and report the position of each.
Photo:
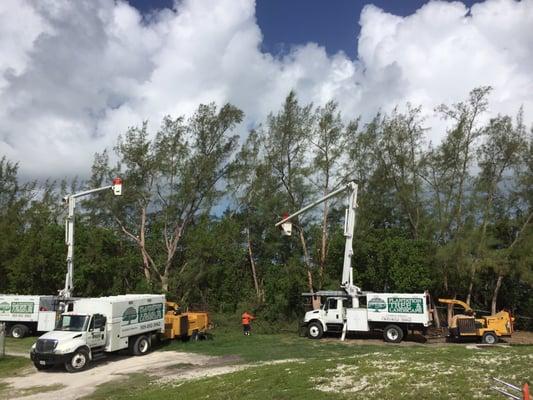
(401, 305)
(21, 308)
(149, 312)
(376, 304)
(5, 307)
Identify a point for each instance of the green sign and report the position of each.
(5, 307)
(404, 305)
(129, 315)
(149, 312)
(22, 308)
(376, 304)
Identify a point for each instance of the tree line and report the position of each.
(197, 214)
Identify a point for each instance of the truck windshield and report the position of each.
(76, 323)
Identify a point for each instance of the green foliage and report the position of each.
(454, 218)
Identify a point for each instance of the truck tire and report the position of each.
(18, 331)
(393, 334)
(78, 362)
(141, 345)
(314, 330)
(489, 338)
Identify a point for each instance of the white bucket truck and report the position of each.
(352, 310)
(24, 315)
(393, 313)
(101, 325)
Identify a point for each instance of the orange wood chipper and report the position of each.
(487, 328)
(185, 325)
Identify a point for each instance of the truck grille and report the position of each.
(45, 345)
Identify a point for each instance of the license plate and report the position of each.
(42, 362)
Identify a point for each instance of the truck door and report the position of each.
(334, 312)
(96, 336)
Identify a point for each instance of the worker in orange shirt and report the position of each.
(246, 320)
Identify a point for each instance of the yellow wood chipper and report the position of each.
(185, 325)
(488, 328)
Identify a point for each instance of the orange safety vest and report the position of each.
(246, 318)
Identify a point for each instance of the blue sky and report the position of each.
(332, 24)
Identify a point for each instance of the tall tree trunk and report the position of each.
(323, 244)
(495, 294)
(252, 264)
(471, 284)
(316, 301)
(164, 283)
(146, 265)
(436, 316)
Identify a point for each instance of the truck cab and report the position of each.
(329, 317)
(72, 343)
(98, 325)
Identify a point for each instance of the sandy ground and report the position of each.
(115, 367)
(169, 366)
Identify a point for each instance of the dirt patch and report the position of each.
(521, 337)
(114, 367)
(170, 367)
(434, 338)
(217, 367)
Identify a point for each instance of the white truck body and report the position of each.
(97, 325)
(36, 313)
(126, 316)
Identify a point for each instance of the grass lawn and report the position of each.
(20, 345)
(11, 366)
(329, 369)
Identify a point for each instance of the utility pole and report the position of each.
(70, 201)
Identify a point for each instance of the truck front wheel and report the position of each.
(141, 346)
(18, 331)
(314, 330)
(393, 334)
(78, 362)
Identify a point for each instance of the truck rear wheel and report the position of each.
(18, 331)
(393, 334)
(141, 345)
(314, 330)
(78, 362)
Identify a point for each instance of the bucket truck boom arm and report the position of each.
(70, 201)
(349, 226)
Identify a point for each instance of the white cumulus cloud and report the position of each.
(74, 75)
